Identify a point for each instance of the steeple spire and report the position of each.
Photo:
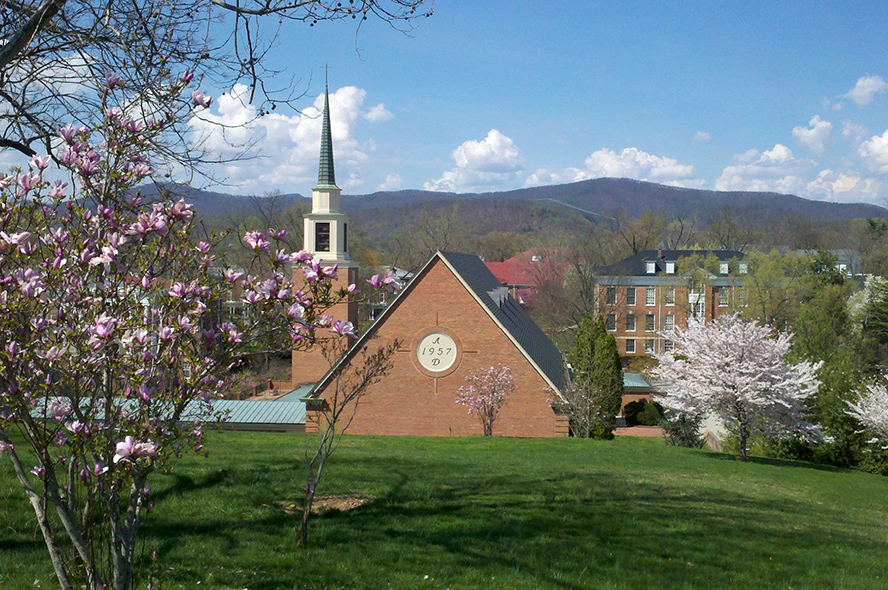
(326, 173)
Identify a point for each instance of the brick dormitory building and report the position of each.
(655, 290)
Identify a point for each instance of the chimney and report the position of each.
(659, 254)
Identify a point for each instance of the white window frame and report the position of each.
(668, 322)
(650, 322)
(630, 296)
(630, 346)
(610, 322)
(723, 296)
(723, 268)
(650, 296)
(634, 319)
(666, 299)
(650, 267)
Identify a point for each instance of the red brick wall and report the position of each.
(407, 402)
(308, 366)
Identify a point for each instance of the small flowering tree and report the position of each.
(871, 410)
(737, 370)
(485, 393)
(341, 399)
(114, 340)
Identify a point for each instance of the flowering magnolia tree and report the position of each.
(485, 393)
(736, 369)
(114, 339)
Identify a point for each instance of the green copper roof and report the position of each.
(326, 174)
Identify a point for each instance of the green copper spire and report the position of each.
(326, 174)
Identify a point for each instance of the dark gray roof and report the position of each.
(511, 316)
(636, 265)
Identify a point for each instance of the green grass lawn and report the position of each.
(474, 513)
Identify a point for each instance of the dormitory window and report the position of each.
(630, 296)
(649, 322)
(611, 322)
(723, 268)
(630, 322)
(650, 296)
(630, 346)
(722, 296)
(322, 236)
(668, 346)
(670, 296)
(610, 297)
(649, 345)
(668, 322)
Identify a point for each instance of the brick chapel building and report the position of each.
(452, 318)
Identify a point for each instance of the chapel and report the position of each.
(452, 318)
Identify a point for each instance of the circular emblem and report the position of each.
(436, 352)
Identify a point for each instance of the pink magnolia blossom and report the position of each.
(112, 80)
(58, 408)
(231, 275)
(200, 100)
(5, 446)
(256, 240)
(302, 256)
(344, 329)
(40, 163)
(129, 449)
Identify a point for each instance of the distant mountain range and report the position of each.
(602, 197)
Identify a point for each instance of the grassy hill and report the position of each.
(474, 513)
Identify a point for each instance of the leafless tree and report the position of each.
(56, 54)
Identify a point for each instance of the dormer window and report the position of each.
(650, 267)
(744, 268)
(723, 268)
(670, 267)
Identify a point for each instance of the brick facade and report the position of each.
(408, 401)
(642, 301)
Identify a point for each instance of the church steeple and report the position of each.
(326, 227)
(326, 173)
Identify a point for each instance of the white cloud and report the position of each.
(282, 151)
(874, 153)
(629, 163)
(543, 177)
(378, 113)
(815, 136)
(775, 170)
(845, 187)
(640, 165)
(701, 136)
(854, 131)
(392, 182)
(493, 163)
(866, 88)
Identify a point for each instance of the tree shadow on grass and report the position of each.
(774, 462)
(572, 532)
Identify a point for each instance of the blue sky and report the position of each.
(790, 97)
